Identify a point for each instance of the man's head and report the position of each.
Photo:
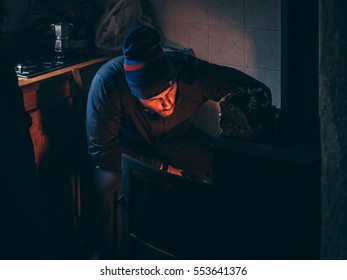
(148, 71)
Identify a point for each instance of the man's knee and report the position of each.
(107, 181)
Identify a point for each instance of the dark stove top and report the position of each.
(31, 64)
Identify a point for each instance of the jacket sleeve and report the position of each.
(218, 81)
(103, 120)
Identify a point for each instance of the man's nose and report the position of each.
(166, 103)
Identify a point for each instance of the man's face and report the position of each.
(164, 103)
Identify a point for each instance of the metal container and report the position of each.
(62, 33)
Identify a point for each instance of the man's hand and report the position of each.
(174, 170)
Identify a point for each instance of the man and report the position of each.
(141, 104)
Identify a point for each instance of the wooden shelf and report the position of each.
(61, 72)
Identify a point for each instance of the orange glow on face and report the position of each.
(164, 103)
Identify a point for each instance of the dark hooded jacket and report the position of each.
(118, 123)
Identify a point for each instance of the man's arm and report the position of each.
(218, 81)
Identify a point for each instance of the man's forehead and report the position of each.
(162, 94)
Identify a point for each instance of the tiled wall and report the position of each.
(244, 34)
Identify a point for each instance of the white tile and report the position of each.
(193, 36)
(226, 45)
(264, 14)
(227, 13)
(168, 32)
(262, 49)
(270, 78)
(164, 9)
(192, 11)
